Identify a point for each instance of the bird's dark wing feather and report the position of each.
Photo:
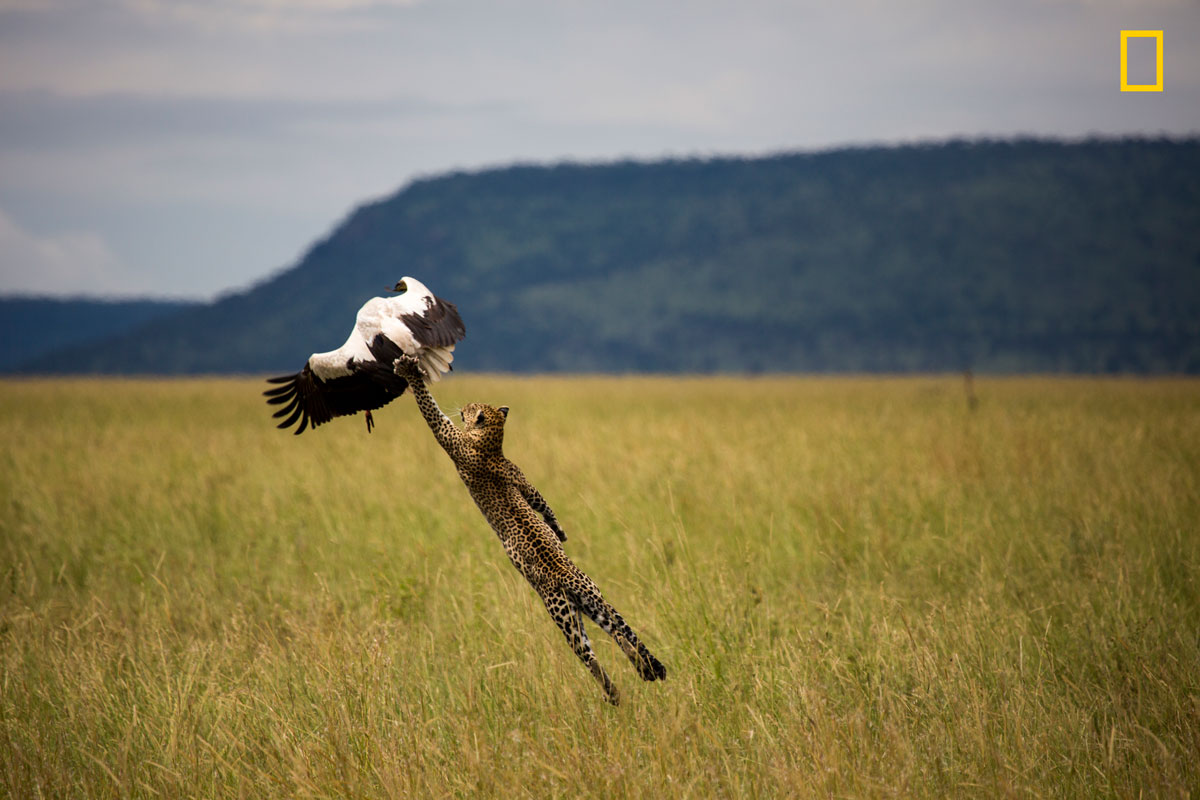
(309, 400)
(439, 325)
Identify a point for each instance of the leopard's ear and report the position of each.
(503, 410)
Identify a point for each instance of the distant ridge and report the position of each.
(32, 327)
(1003, 256)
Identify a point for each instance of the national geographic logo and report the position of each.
(1157, 37)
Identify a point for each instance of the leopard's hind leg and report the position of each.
(566, 615)
(588, 596)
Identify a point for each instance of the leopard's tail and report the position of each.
(599, 611)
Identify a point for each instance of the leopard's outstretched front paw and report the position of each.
(407, 366)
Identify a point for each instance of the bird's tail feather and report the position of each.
(435, 361)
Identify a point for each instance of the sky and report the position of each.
(151, 148)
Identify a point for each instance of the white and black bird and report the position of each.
(358, 376)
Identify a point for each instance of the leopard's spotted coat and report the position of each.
(528, 529)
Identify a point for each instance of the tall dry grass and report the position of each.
(860, 588)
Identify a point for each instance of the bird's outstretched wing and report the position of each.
(311, 401)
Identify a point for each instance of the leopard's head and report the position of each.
(484, 425)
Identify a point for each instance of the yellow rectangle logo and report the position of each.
(1157, 86)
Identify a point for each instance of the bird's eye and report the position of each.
(401, 287)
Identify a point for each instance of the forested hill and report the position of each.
(1000, 256)
(33, 326)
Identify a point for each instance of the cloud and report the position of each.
(265, 16)
(71, 262)
(42, 120)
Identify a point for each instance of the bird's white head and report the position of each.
(407, 284)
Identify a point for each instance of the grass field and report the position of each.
(859, 587)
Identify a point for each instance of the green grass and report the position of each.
(859, 588)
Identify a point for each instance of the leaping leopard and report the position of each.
(512, 507)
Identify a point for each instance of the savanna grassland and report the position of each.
(860, 587)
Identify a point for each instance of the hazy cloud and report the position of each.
(46, 120)
(261, 16)
(66, 263)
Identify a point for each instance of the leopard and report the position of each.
(528, 529)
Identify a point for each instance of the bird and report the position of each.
(359, 376)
